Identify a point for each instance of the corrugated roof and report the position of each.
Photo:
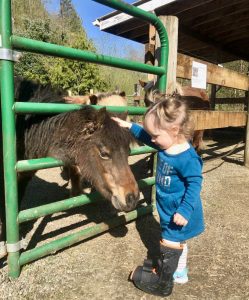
(214, 30)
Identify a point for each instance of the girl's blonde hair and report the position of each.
(172, 110)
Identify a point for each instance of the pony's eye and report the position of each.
(104, 154)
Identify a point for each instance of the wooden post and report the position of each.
(246, 154)
(213, 96)
(246, 103)
(171, 25)
(150, 50)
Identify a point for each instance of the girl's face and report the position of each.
(163, 137)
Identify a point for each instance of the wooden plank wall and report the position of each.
(219, 76)
(217, 119)
(215, 74)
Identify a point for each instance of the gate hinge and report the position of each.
(9, 54)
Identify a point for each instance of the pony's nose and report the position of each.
(131, 200)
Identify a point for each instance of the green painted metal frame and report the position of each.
(10, 108)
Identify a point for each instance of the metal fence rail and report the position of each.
(9, 43)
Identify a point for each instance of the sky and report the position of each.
(107, 43)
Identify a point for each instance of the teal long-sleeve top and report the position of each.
(178, 187)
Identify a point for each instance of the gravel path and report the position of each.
(98, 268)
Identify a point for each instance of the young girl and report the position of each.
(178, 184)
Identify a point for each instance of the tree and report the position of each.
(78, 77)
(32, 66)
(69, 16)
(65, 28)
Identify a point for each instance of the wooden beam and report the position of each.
(186, 30)
(211, 55)
(213, 96)
(218, 119)
(215, 74)
(214, 12)
(150, 50)
(171, 25)
(232, 36)
(192, 47)
(133, 25)
(184, 6)
(228, 27)
(134, 34)
(246, 154)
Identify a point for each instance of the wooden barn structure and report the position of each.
(210, 32)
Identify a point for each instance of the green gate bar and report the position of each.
(48, 209)
(51, 108)
(38, 164)
(50, 162)
(9, 142)
(34, 46)
(74, 238)
(10, 108)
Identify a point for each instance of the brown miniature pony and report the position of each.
(104, 99)
(91, 145)
(195, 98)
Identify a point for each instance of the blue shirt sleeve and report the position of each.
(191, 173)
(140, 134)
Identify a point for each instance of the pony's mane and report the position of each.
(113, 133)
(116, 134)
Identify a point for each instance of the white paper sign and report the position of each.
(199, 75)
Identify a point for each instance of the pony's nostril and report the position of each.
(130, 200)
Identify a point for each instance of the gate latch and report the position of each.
(9, 54)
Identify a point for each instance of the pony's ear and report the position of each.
(142, 83)
(101, 115)
(93, 99)
(148, 102)
(123, 115)
(122, 94)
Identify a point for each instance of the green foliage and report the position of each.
(32, 20)
(32, 66)
(64, 29)
(23, 10)
(116, 78)
(122, 80)
(70, 19)
(78, 77)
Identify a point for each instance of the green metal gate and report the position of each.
(8, 44)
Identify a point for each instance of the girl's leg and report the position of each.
(159, 281)
(181, 273)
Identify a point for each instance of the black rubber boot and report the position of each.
(158, 281)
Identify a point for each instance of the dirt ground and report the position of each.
(99, 267)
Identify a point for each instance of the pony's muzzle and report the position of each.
(131, 201)
(127, 204)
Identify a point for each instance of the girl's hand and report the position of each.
(179, 220)
(122, 123)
